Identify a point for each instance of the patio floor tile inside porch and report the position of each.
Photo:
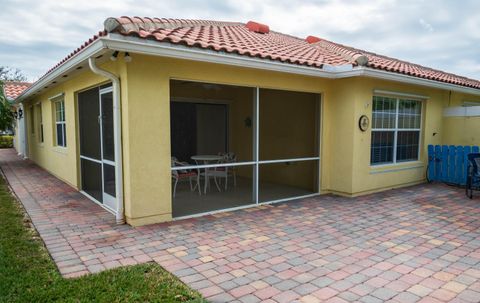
(417, 244)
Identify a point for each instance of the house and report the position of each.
(297, 117)
(11, 90)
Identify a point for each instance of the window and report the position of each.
(60, 128)
(40, 122)
(395, 130)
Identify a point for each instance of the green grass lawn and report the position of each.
(28, 274)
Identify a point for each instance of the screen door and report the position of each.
(97, 149)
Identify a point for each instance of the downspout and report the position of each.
(20, 137)
(24, 132)
(117, 128)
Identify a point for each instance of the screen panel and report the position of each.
(107, 127)
(89, 128)
(92, 179)
(109, 179)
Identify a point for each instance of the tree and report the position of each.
(6, 115)
(11, 74)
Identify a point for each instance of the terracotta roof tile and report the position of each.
(232, 37)
(76, 51)
(13, 89)
(237, 38)
(403, 67)
(229, 37)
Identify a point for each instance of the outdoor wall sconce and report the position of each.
(248, 122)
(20, 113)
(126, 56)
(114, 56)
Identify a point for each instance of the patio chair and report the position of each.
(228, 171)
(184, 174)
(216, 173)
(473, 174)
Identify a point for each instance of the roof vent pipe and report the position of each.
(257, 27)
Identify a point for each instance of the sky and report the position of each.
(442, 34)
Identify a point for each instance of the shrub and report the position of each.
(6, 141)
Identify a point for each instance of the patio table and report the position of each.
(207, 159)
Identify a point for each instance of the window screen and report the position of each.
(395, 130)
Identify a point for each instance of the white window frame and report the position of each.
(396, 130)
(60, 101)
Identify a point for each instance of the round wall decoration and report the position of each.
(363, 123)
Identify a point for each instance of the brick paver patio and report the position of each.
(418, 244)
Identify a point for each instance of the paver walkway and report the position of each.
(418, 244)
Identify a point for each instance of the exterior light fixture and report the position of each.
(114, 56)
(20, 113)
(127, 57)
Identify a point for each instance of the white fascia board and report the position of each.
(462, 111)
(381, 74)
(151, 47)
(94, 49)
(154, 48)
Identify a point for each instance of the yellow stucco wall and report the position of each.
(60, 161)
(367, 178)
(461, 130)
(344, 149)
(149, 196)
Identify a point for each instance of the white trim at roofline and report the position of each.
(92, 50)
(381, 74)
(164, 49)
(150, 47)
